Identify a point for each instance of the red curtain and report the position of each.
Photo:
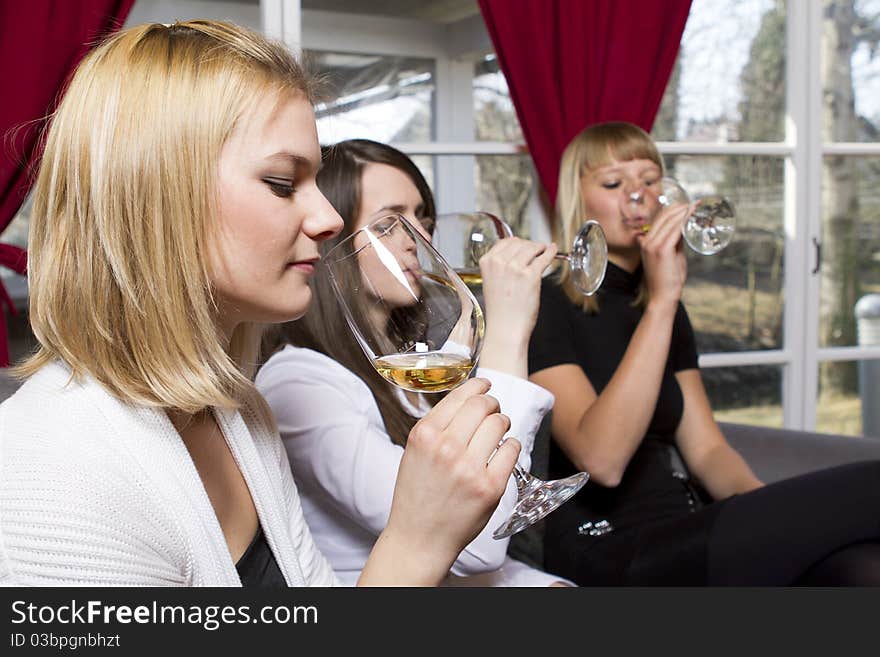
(41, 42)
(571, 63)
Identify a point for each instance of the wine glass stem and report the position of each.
(562, 256)
(522, 478)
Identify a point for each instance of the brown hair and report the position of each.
(323, 328)
(594, 147)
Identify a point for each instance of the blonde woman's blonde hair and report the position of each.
(124, 204)
(596, 146)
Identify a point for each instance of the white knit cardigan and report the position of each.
(94, 491)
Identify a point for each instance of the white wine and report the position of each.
(470, 277)
(431, 371)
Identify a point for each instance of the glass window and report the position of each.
(504, 186)
(494, 115)
(851, 70)
(374, 97)
(730, 92)
(850, 244)
(745, 395)
(852, 409)
(735, 298)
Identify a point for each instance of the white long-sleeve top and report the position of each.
(94, 491)
(346, 464)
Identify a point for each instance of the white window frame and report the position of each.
(455, 48)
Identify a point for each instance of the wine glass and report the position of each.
(422, 329)
(465, 237)
(708, 229)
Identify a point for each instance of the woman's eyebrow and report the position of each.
(392, 208)
(296, 160)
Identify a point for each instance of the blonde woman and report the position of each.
(175, 212)
(630, 403)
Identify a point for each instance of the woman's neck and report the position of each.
(628, 261)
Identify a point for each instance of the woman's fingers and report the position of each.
(545, 258)
(471, 415)
(515, 253)
(666, 230)
(487, 436)
(446, 409)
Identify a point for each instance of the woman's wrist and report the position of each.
(662, 305)
(505, 353)
(398, 561)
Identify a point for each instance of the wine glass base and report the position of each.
(538, 500)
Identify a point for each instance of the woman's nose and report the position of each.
(324, 221)
(634, 193)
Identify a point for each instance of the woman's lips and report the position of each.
(304, 266)
(637, 223)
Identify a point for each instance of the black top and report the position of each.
(257, 567)
(566, 334)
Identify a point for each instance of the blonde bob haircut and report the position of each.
(596, 146)
(124, 204)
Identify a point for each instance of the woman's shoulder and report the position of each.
(51, 397)
(306, 367)
(72, 432)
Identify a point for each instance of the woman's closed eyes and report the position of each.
(282, 187)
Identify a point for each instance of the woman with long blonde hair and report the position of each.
(176, 213)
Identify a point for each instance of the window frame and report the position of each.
(456, 48)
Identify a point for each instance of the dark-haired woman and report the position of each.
(345, 427)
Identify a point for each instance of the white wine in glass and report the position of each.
(465, 237)
(431, 371)
(422, 330)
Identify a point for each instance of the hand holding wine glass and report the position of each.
(445, 493)
(512, 272)
(465, 237)
(662, 255)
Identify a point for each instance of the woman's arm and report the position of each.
(708, 455)
(599, 434)
(511, 273)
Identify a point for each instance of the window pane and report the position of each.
(840, 410)
(494, 115)
(850, 244)
(374, 97)
(425, 163)
(728, 83)
(735, 298)
(505, 185)
(746, 395)
(850, 70)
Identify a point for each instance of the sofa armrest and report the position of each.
(781, 453)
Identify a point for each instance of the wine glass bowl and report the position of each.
(465, 237)
(711, 225)
(416, 321)
(588, 258)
